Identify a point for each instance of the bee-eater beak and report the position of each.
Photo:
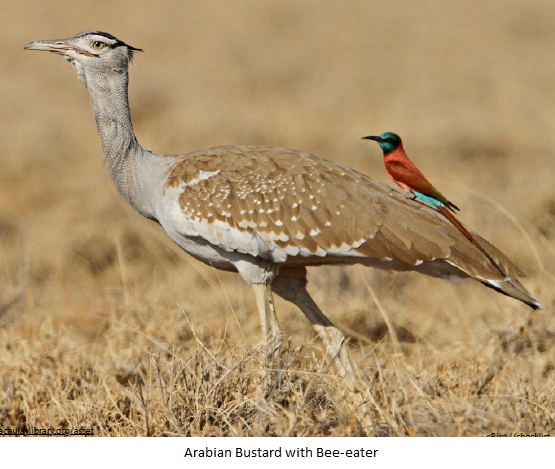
(377, 139)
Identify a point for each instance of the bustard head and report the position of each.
(388, 141)
(91, 52)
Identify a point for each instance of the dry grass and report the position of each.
(104, 324)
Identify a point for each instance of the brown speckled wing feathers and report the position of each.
(308, 206)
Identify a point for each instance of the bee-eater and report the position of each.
(405, 174)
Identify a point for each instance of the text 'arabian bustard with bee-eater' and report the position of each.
(268, 213)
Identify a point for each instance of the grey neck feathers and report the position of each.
(124, 154)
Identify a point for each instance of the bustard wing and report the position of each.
(281, 204)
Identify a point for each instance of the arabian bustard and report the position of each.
(268, 213)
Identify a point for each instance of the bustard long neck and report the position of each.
(113, 119)
(126, 161)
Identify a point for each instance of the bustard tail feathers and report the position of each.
(513, 288)
(506, 284)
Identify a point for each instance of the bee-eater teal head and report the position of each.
(388, 141)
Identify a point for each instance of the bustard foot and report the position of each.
(337, 351)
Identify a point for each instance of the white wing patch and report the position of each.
(202, 176)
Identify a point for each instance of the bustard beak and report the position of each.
(377, 139)
(58, 46)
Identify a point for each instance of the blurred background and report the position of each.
(467, 84)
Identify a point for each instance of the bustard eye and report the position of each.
(98, 45)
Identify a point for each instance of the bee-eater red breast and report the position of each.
(405, 174)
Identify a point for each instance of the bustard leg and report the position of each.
(268, 318)
(290, 284)
(260, 276)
